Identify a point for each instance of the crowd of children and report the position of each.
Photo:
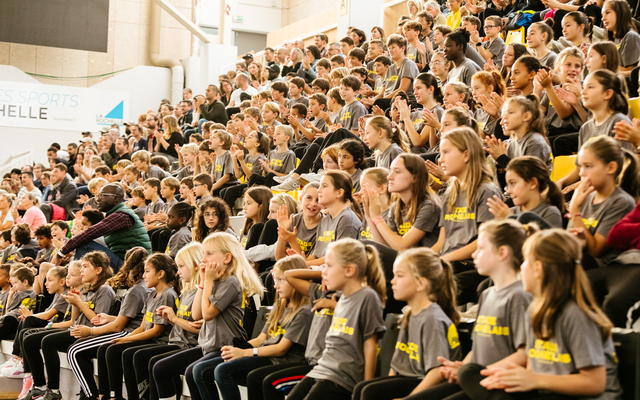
(410, 170)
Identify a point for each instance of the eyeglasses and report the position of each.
(100, 196)
(432, 63)
(489, 26)
(195, 185)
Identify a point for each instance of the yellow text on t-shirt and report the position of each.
(276, 332)
(547, 352)
(339, 325)
(459, 214)
(486, 325)
(410, 348)
(327, 236)
(274, 162)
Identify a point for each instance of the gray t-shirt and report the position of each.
(462, 222)
(177, 241)
(497, 48)
(355, 180)
(184, 172)
(4, 295)
(223, 166)
(576, 343)
(167, 206)
(417, 120)
(590, 131)
(414, 55)
(408, 70)
(427, 218)
(355, 319)
(154, 172)
(180, 337)
(155, 207)
(154, 301)
(600, 218)
(463, 72)
(349, 114)
(99, 301)
(549, 60)
(253, 163)
(319, 326)
(472, 55)
(569, 124)
(430, 335)
(550, 214)
(531, 144)
(365, 231)
(485, 122)
(46, 254)
(306, 237)
(282, 163)
(295, 329)
(227, 297)
(133, 304)
(500, 325)
(25, 298)
(628, 48)
(344, 225)
(385, 158)
(60, 305)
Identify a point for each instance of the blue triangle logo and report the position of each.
(117, 112)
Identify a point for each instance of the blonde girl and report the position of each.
(377, 183)
(227, 281)
(413, 217)
(428, 331)
(350, 350)
(501, 307)
(281, 342)
(385, 140)
(464, 203)
(184, 334)
(299, 231)
(565, 320)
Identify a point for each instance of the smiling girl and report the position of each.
(299, 231)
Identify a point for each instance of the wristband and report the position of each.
(377, 220)
(255, 352)
(49, 325)
(200, 287)
(576, 215)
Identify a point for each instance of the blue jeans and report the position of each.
(116, 261)
(227, 375)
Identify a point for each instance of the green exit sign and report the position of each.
(237, 18)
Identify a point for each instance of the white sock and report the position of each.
(41, 387)
(169, 398)
(56, 391)
(27, 374)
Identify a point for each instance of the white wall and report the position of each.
(261, 16)
(146, 85)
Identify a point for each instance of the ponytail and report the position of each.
(393, 134)
(374, 274)
(342, 180)
(365, 259)
(400, 138)
(628, 180)
(531, 104)
(492, 78)
(425, 263)
(611, 81)
(429, 80)
(607, 150)
(528, 168)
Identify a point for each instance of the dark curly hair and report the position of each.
(224, 213)
(131, 271)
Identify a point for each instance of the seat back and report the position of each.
(261, 320)
(388, 342)
(562, 166)
(517, 36)
(627, 343)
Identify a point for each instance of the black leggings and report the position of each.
(38, 334)
(141, 361)
(385, 388)
(9, 327)
(50, 344)
(273, 382)
(166, 370)
(469, 377)
(258, 180)
(159, 239)
(110, 357)
(616, 289)
(445, 390)
(337, 137)
(309, 156)
(232, 193)
(318, 389)
(30, 324)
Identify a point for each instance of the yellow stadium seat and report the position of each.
(562, 166)
(293, 193)
(634, 107)
(517, 36)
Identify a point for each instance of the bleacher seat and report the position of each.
(261, 320)
(627, 344)
(517, 36)
(388, 342)
(562, 166)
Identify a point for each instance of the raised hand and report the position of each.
(498, 208)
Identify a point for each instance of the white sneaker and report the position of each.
(310, 178)
(288, 185)
(16, 371)
(281, 179)
(10, 363)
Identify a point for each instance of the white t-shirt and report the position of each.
(235, 95)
